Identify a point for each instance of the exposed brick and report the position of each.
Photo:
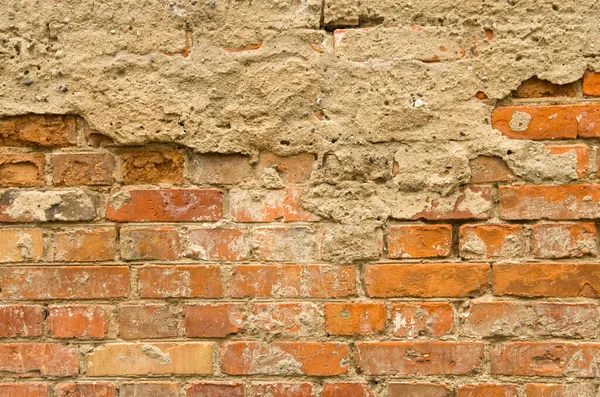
(565, 320)
(22, 321)
(85, 245)
(266, 281)
(487, 319)
(23, 390)
(418, 390)
(21, 245)
(219, 244)
(411, 320)
(282, 390)
(149, 389)
(125, 359)
(563, 240)
(41, 206)
(291, 169)
(268, 205)
(145, 243)
(292, 207)
(491, 241)
(38, 130)
(166, 205)
(73, 282)
(147, 321)
(487, 390)
(221, 389)
(426, 280)
(329, 281)
(152, 167)
(423, 358)
(220, 169)
(581, 153)
(538, 88)
(213, 320)
(286, 319)
(81, 322)
(549, 202)
(547, 122)
(472, 202)
(591, 83)
(354, 318)
(346, 390)
(85, 390)
(22, 169)
(186, 281)
(547, 279)
(82, 169)
(419, 241)
(284, 358)
(38, 359)
(562, 390)
(285, 244)
(489, 169)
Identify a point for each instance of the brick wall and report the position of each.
(158, 271)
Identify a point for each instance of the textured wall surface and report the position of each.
(299, 198)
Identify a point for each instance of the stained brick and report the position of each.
(490, 169)
(419, 241)
(184, 281)
(286, 244)
(418, 390)
(23, 390)
(220, 169)
(149, 389)
(487, 390)
(411, 320)
(152, 167)
(85, 245)
(591, 83)
(145, 243)
(282, 389)
(82, 169)
(95, 389)
(38, 130)
(23, 321)
(286, 319)
(266, 281)
(219, 244)
(22, 169)
(46, 205)
(80, 322)
(354, 318)
(213, 320)
(147, 321)
(563, 240)
(353, 389)
(491, 241)
(221, 389)
(20, 245)
(38, 359)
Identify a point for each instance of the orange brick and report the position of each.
(222, 389)
(286, 244)
(490, 169)
(220, 169)
(564, 240)
(591, 83)
(426, 280)
(85, 245)
(81, 322)
(354, 318)
(487, 319)
(38, 359)
(219, 244)
(284, 358)
(185, 281)
(21, 245)
(148, 321)
(487, 390)
(145, 243)
(282, 390)
(411, 320)
(578, 389)
(23, 390)
(420, 241)
(152, 167)
(22, 321)
(46, 130)
(82, 169)
(473, 202)
(346, 390)
(581, 153)
(143, 389)
(423, 358)
(167, 205)
(565, 320)
(258, 281)
(538, 88)
(95, 389)
(491, 241)
(418, 390)
(329, 281)
(22, 169)
(213, 320)
(291, 169)
(286, 319)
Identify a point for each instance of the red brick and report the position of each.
(291, 169)
(22, 169)
(563, 240)
(85, 245)
(420, 241)
(545, 359)
(82, 169)
(147, 321)
(562, 390)
(329, 281)
(411, 320)
(354, 318)
(47, 205)
(292, 207)
(23, 390)
(490, 169)
(152, 167)
(547, 279)
(166, 205)
(38, 130)
(56, 282)
(213, 320)
(284, 358)
(85, 390)
(22, 321)
(149, 389)
(547, 122)
(472, 202)
(346, 390)
(21, 245)
(185, 281)
(219, 244)
(222, 389)
(220, 169)
(491, 241)
(549, 202)
(81, 322)
(591, 83)
(286, 244)
(581, 153)
(256, 281)
(38, 359)
(418, 390)
(145, 243)
(487, 390)
(282, 390)
(426, 280)
(565, 320)
(487, 319)
(538, 88)
(423, 358)
(286, 319)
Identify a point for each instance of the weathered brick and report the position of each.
(547, 279)
(329, 281)
(293, 211)
(130, 359)
(219, 244)
(563, 240)
(535, 87)
(565, 320)
(486, 319)
(80, 322)
(472, 202)
(22, 321)
(146, 243)
(149, 389)
(85, 245)
(38, 359)
(286, 319)
(591, 83)
(291, 169)
(147, 321)
(411, 320)
(419, 241)
(47, 205)
(221, 389)
(487, 390)
(491, 241)
(266, 281)
(490, 169)
(423, 358)
(268, 205)
(38, 130)
(581, 153)
(561, 390)
(185, 281)
(282, 390)
(213, 320)
(346, 390)
(418, 390)
(220, 169)
(152, 167)
(426, 280)
(23, 390)
(354, 318)
(22, 169)
(286, 244)
(21, 245)
(166, 205)
(95, 389)
(82, 169)
(345, 244)
(284, 358)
